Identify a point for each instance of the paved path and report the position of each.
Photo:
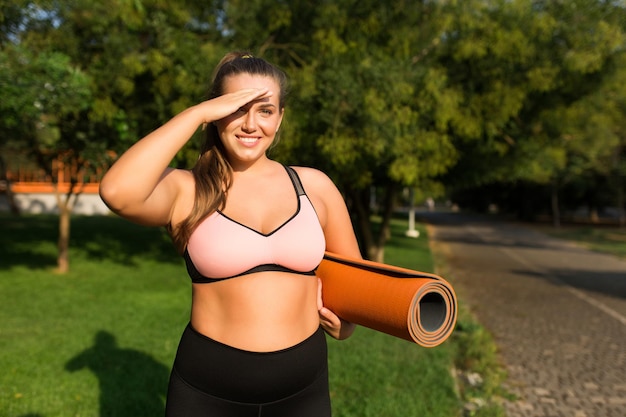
(557, 313)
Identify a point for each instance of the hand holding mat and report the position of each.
(412, 305)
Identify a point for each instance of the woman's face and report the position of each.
(249, 132)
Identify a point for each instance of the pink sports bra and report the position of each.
(221, 248)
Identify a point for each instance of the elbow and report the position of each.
(110, 194)
(106, 195)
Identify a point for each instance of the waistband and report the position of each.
(234, 374)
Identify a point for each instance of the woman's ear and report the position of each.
(282, 113)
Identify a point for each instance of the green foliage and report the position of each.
(452, 94)
(145, 61)
(538, 93)
(355, 97)
(39, 90)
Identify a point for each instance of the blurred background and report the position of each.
(514, 108)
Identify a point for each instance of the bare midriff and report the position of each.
(260, 312)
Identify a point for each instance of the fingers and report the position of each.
(233, 101)
(329, 317)
(227, 104)
(247, 95)
(330, 322)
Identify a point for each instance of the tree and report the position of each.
(365, 107)
(587, 40)
(522, 67)
(416, 94)
(596, 127)
(84, 80)
(40, 94)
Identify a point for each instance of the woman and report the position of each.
(252, 232)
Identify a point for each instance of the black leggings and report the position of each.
(211, 379)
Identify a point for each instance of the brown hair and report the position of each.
(212, 172)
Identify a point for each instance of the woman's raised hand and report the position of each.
(222, 106)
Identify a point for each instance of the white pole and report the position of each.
(412, 232)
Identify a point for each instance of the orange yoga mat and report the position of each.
(412, 305)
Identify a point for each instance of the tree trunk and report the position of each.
(594, 217)
(15, 209)
(8, 191)
(556, 213)
(63, 263)
(385, 227)
(65, 206)
(620, 205)
(377, 253)
(359, 204)
(372, 247)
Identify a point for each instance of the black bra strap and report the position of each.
(295, 180)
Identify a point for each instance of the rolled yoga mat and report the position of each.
(412, 305)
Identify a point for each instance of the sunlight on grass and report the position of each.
(606, 239)
(100, 340)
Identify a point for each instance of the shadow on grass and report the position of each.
(132, 383)
(31, 241)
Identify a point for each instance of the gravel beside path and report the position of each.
(557, 313)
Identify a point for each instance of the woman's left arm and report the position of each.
(340, 238)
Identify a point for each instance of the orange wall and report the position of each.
(47, 187)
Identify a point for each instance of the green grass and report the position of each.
(606, 239)
(99, 340)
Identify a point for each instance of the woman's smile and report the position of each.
(248, 140)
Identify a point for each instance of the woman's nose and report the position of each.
(249, 123)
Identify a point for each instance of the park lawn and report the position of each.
(99, 341)
(606, 239)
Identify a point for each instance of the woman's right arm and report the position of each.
(140, 186)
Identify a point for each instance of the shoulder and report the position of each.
(321, 190)
(178, 180)
(183, 175)
(331, 210)
(314, 179)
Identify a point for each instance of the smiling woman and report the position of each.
(250, 131)
(252, 233)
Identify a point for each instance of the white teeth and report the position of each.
(248, 140)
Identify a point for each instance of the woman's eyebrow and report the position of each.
(266, 105)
